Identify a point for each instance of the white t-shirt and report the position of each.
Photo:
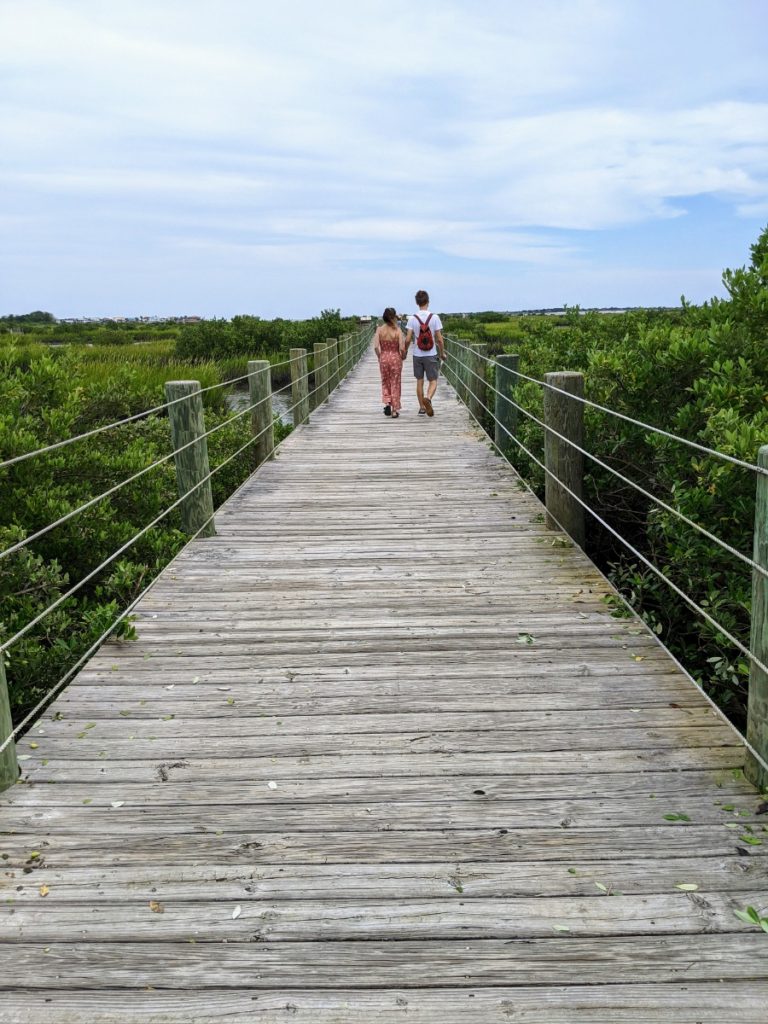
(435, 324)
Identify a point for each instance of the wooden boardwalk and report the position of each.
(381, 753)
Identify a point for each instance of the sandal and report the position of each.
(395, 415)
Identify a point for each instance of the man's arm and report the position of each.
(440, 343)
(408, 340)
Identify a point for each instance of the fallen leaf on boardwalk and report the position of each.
(117, 803)
(752, 840)
(676, 817)
(601, 887)
(687, 886)
(236, 913)
(224, 688)
(34, 746)
(156, 908)
(44, 890)
(561, 927)
(171, 686)
(196, 679)
(525, 638)
(272, 785)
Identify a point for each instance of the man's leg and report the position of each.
(420, 391)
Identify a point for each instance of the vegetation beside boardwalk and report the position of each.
(61, 380)
(697, 371)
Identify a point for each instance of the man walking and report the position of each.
(427, 330)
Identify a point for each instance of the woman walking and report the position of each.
(389, 346)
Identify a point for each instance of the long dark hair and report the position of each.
(390, 316)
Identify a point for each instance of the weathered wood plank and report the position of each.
(686, 1003)
(404, 880)
(342, 920)
(391, 964)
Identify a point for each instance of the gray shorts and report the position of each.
(429, 365)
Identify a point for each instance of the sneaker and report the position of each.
(387, 410)
(428, 407)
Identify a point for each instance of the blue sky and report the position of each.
(230, 157)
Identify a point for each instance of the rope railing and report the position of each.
(757, 662)
(622, 416)
(128, 419)
(131, 479)
(611, 469)
(351, 357)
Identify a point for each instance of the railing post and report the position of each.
(450, 361)
(477, 387)
(757, 704)
(506, 413)
(563, 462)
(9, 766)
(260, 389)
(188, 424)
(333, 364)
(343, 356)
(465, 376)
(299, 386)
(321, 372)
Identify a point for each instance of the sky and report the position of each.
(217, 157)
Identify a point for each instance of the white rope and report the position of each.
(620, 415)
(159, 462)
(44, 701)
(669, 508)
(129, 419)
(755, 753)
(72, 590)
(721, 629)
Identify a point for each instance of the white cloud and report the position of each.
(444, 131)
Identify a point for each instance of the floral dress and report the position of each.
(390, 364)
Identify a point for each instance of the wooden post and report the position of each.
(343, 356)
(188, 423)
(299, 386)
(465, 376)
(333, 364)
(260, 388)
(506, 413)
(563, 462)
(448, 365)
(757, 704)
(321, 372)
(478, 392)
(9, 766)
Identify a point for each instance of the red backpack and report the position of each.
(425, 341)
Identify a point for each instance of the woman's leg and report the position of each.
(396, 385)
